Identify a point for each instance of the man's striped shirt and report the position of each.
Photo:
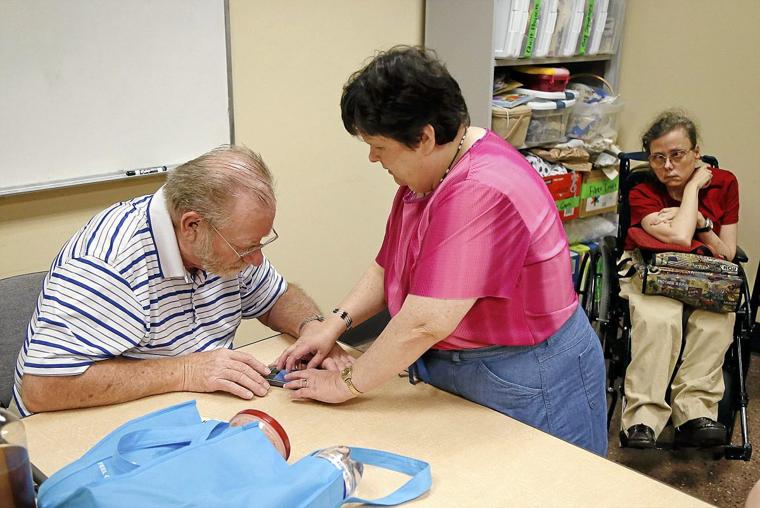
(119, 288)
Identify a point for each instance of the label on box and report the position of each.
(599, 187)
(586, 30)
(531, 33)
(602, 202)
(565, 190)
(598, 193)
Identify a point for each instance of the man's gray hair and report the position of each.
(210, 184)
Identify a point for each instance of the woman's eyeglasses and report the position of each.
(658, 160)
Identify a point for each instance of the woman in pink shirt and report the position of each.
(474, 267)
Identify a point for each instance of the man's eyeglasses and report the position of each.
(658, 160)
(264, 242)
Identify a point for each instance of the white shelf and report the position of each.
(461, 33)
(508, 62)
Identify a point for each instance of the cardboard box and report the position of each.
(566, 190)
(599, 193)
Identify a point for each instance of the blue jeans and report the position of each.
(557, 386)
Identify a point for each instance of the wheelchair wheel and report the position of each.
(598, 294)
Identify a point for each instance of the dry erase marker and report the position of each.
(146, 171)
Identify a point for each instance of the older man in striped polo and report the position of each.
(147, 296)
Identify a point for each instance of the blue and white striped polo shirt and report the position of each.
(119, 288)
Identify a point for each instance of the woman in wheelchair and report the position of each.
(687, 201)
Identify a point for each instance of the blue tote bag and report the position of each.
(172, 458)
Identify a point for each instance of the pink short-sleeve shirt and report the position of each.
(489, 231)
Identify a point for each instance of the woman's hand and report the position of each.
(337, 359)
(701, 177)
(665, 215)
(700, 220)
(317, 384)
(315, 344)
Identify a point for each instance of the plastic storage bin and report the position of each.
(510, 20)
(595, 115)
(548, 121)
(594, 121)
(543, 79)
(511, 123)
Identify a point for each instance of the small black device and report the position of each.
(276, 377)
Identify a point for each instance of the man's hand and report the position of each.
(225, 370)
(316, 342)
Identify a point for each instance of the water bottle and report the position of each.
(16, 487)
(352, 471)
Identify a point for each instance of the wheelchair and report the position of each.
(599, 289)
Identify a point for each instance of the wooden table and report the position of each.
(478, 456)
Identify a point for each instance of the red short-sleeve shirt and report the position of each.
(719, 201)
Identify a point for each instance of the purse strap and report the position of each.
(418, 484)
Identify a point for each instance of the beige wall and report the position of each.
(290, 60)
(34, 226)
(700, 55)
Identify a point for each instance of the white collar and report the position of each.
(166, 239)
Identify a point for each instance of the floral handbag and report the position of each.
(702, 282)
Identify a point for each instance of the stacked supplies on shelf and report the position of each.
(580, 27)
(541, 28)
(510, 116)
(523, 28)
(595, 116)
(583, 184)
(563, 184)
(550, 105)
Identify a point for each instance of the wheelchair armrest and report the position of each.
(740, 256)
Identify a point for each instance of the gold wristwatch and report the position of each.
(345, 375)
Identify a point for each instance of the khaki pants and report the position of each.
(656, 333)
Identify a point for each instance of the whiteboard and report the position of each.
(91, 89)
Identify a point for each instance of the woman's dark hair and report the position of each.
(399, 92)
(668, 121)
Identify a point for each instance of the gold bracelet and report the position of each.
(345, 375)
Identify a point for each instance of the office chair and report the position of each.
(18, 296)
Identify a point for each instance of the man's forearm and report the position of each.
(290, 310)
(104, 382)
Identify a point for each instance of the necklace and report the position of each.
(459, 148)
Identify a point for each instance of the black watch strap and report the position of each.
(707, 227)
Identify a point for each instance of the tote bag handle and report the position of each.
(144, 439)
(418, 484)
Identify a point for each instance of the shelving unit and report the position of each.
(461, 33)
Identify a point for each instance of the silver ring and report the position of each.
(304, 382)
